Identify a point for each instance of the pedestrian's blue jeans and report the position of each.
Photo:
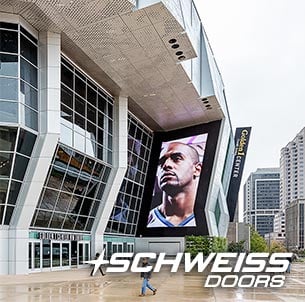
(146, 284)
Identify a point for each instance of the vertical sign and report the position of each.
(242, 136)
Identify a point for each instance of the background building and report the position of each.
(292, 190)
(292, 170)
(295, 225)
(262, 199)
(85, 88)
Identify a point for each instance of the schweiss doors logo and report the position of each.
(227, 269)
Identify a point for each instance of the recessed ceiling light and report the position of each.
(179, 53)
(175, 46)
(181, 58)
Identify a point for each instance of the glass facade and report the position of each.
(301, 225)
(264, 224)
(72, 192)
(86, 114)
(16, 146)
(18, 76)
(125, 214)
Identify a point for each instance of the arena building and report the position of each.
(89, 93)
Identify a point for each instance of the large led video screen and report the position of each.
(177, 182)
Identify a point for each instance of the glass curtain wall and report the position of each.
(15, 152)
(18, 86)
(86, 114)
(72, 192)
(125, 213)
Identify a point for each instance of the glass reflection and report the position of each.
(63, 202)
(26, 142)
(56, 178)
(5, 164)
(8, 41)
(43, 218)
(8, 215)
(3, 190)
(14, 191)
(49, 199)
(8, 90)
(76, 178)
(29, 95)
(9, 65)
(57, 220)
(62, 157)
(7, 139)
(28, 50)
(76, 162)
(28, 72)
(69, 222)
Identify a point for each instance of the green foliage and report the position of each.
(277, 247)
(257, 242)
(205, 245)
(219, 244)
(236, 247)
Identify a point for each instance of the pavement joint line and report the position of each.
(298, 281)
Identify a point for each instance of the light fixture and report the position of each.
(181, 58)
(175, 46)
(172, 41)
(179, 53)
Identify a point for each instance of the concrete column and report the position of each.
(120, 149)
(49, 133)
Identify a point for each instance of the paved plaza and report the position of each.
(77, 285)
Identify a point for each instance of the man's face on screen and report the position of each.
(178, 167)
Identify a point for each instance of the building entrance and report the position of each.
(51, 255)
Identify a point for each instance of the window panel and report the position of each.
(56, 178)
(57, 220)
(14, 192)
(20, 166)
(29, 95)
(69, 222)
(80, 87)
(67, 76)
(49, 199)
(7, 138)
(2, 208)
(28, 72)
(66, 96)
(28, 50)
(8, 112)
(8, 90)
(63, 202)
(91, 96)
(3, 190)
(5, 164)
(8, 65)
(31, 118)
(102, 104)
(8, 41)
(43, 219)
(8, 215)
(8, 25)
(66, 135)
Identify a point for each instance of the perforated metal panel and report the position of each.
(131, 47)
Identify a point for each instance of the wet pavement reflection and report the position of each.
(77, 285)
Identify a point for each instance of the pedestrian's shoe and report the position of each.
(141, 295)
(154, 291)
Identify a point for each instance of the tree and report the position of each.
(277, 247)
(236, 247)
(257, 242)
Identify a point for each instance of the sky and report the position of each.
(259, 47)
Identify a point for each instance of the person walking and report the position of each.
(146, 277)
